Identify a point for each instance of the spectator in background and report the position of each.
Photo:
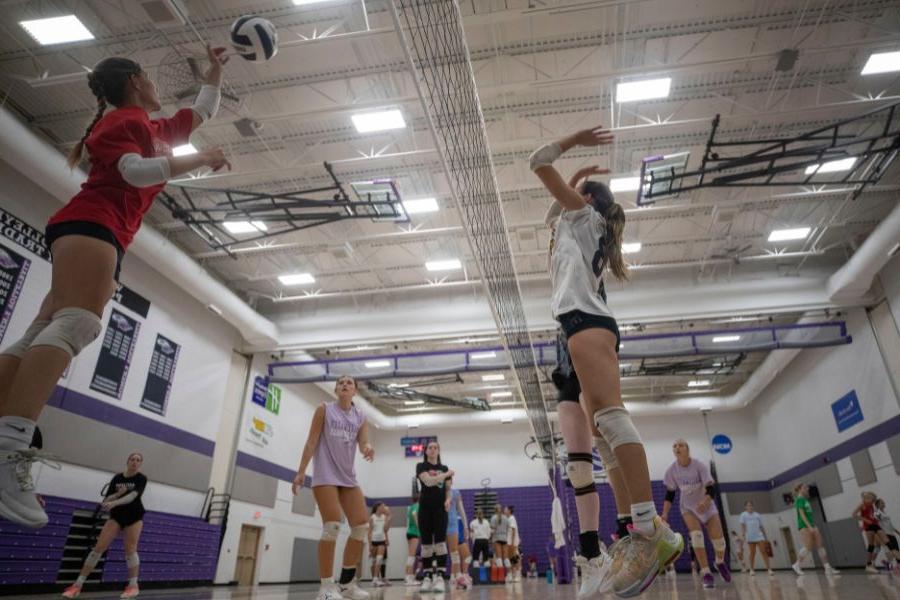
(500, 529)
(755, 534)
(514, 543)
(412, 539)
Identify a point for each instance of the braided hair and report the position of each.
(107, 81)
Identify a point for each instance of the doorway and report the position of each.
(789, 544)
(248, 547)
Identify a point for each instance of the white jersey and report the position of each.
(885, 522)
(481, 530)
(575, 263)
(514, 537)
(378, 528)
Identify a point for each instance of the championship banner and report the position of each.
(115, 355)
(159, 378)
(13, 269)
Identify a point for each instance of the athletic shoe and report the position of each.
(438, 586)
(644, 558)
(131, 591)
(351, 591)
(386, 582)
(378, 582)
(509, 578)
(670, 573)
(18, 500)
(426, 584)
(73, 591)
(708, 581)
(771, 573)
(724, 571)
(410, 581)
(829, 570)
(871, 569)
(797, 569)
(329, 591)
(595, 576)
(753, 573)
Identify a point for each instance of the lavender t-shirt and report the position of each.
(335, 454)
(691, 481)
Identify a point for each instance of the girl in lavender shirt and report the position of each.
(337, 430)
(693, 479)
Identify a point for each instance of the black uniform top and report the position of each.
(135, 483)
(431, 495)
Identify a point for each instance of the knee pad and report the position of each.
(330, 531)
(506, 563)
(616, 427)
(441, 549)
(70, 330)
(410, 561)
(19, 347)
(378, 561)
(607, 456)
(132, 560)
(427, 551)
(92, 559)
(697, 539)
(359, 532)
(719, 545)
(454, 558)
(580, 469)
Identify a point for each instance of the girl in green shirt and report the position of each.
(412, 539)
(809, 533)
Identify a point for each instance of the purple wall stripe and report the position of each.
(265, 467)
(105, 412)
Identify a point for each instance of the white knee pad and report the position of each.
(92, 559)
(19, 347)
(580, 469)
(132, 560)
(427, 550)
(697, 539)
(70, 330)
(719, 545)
(359, 532)
(454, 558)
(607, 456)
(410, 561)
(378, 561)
(441, 549)
(616, 427)
(330, 531)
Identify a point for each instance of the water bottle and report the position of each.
(549, 575)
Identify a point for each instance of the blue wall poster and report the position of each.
(260, 389)
(721, 443)
(847, 411)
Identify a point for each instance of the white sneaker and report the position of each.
(797, 569)
(426, 584)
(18, 500)
(351, 591)
(829, 570)
(411, 581)
(869, 569)
(595, 576)
(752, 573)
(378, 582)
(329, 591)
(771, 573)
(438, 586)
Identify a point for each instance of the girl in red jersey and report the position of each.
(130, 161)
(872, 531)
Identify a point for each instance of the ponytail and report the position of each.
(78, 149)
(615, 235)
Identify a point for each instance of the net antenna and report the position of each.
(432, 37)
(855, 152)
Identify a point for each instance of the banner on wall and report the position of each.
(721, 443)
(847, 411)
(13, 269)
(266, 394)
(115, 355)
(260, 432)
(159, 379)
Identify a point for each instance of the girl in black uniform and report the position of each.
(434, 501)
(126, 514)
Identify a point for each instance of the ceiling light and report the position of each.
(832, 166)
(783, 235)
(420, 205)
(377, 364)
(413, 425)
(725, 338)
(184, 150)
(305, 2)
(632, 91)
(698, 383)
(398, 385)
(882, 62)
(483, 355)
(631, 248)
(451, 264)
(383, 120)
(494, 377)
(296, 279)
(57, 30)
(501, 395)
(624, 184)
(245, 226)
(413, 402)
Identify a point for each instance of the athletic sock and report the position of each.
(590, 544)
(622, 523)
(327, 580)
(705, 571)
(643, 515)
(132, 582)
(347, 575)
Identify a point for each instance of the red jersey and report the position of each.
(867, 512)
(105, 198)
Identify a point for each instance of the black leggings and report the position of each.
(482, 550)
(433, 524)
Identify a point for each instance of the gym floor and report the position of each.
(783, 586)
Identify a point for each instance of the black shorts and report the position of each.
(86, 228)
(433, 524)
(377, 544)
(502, 543)
(481, 550)
(564, 377)
(873, 528)
(127, 518)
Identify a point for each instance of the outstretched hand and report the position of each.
(595, 136)
(217, 58)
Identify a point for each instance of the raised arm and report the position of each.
(207, 103)
(541, 162)
(309, 449)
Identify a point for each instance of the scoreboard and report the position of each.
(414, 447)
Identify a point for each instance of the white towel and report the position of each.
(558, 523)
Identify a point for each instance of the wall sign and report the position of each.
(23, 234)
(159, 379)
(266, 394)
(13, 270)
(414, 447)
(115, 355)
(721, 443)
(847, 411)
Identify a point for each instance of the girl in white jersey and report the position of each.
(588, 238)
(379, 524)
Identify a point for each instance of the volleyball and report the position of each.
(254, 38)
